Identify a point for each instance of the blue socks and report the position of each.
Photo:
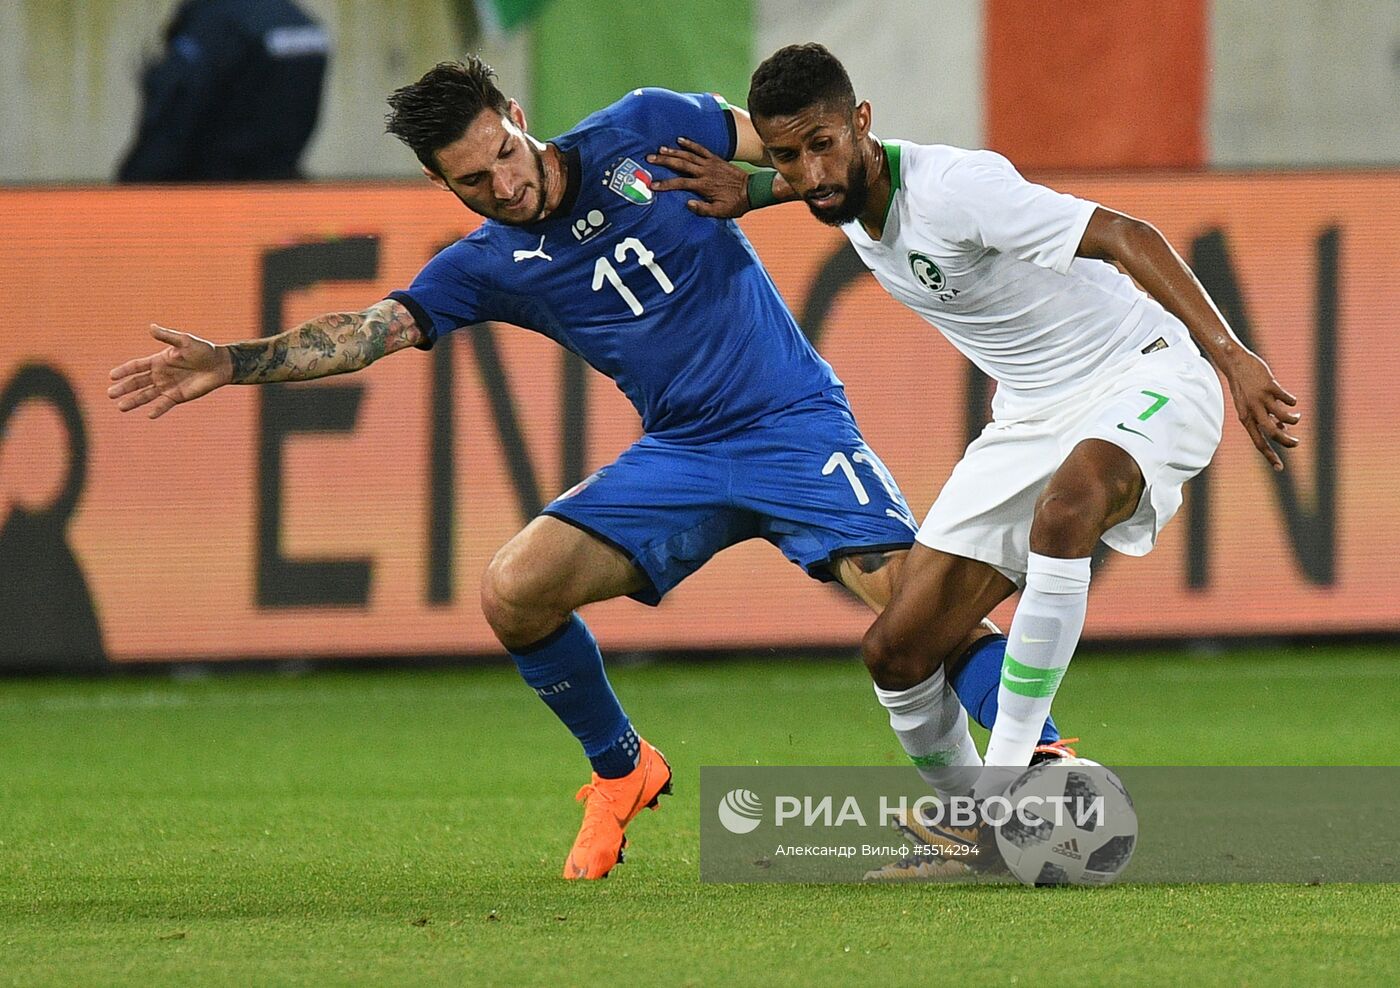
(979, 679)
(566, 670)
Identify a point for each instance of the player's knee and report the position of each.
(893, 661)
(515, 602)
(1068, 521)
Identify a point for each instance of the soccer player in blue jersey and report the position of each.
(747, 430)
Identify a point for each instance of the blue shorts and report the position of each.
(802, 478)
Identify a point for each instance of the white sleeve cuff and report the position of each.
(1074, 236)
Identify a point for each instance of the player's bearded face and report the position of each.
(496, 170)
(525, 204)
(838, 203)
(817, 151)
(516, 200)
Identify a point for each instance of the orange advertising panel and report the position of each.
(1138, 67)
(354, 516)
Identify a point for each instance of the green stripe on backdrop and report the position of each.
(506, 15)
(478, 19)
(589, 53)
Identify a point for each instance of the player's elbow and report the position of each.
(1140, 234)
(1132, 237)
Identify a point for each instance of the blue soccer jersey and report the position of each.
(748, 430)
(673, 307)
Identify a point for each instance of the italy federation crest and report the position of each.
(631, 181)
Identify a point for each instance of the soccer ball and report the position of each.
(1071, 822)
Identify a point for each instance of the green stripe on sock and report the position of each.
(1028, 680)
(938, 758)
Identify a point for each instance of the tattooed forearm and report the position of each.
(371, 340)
(318, 339)
(247, 361)
(332, 344)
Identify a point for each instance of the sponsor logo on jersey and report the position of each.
(1134, 431)
(631, 181)
(930, 275)
(588, 227)
(525, 255)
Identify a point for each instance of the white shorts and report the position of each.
(1165, 409)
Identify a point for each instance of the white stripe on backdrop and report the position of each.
(919, 64)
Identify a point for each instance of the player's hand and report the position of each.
(188, 368)
(1263, 406)
(723, 188)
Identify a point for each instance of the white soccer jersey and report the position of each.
(989, 259)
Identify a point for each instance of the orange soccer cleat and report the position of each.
(1054, 751)
(608, 807)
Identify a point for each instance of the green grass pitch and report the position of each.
(409, 827)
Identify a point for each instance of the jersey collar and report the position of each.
(892, 157)
(573, 172)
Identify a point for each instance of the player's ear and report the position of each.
(516, 112)
(862, 119)
(435, 178)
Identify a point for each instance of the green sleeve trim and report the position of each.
(761, 188)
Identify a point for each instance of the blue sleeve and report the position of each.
(660, 116)
(447, 293)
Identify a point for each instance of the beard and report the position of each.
(539, 185)
(854, 196)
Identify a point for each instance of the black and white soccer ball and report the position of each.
(1068, 822)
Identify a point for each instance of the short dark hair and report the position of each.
(437, 109)
(796, 77)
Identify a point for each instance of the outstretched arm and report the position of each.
(190, 367)
(1260, 401)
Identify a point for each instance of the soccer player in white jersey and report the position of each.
(1104, 406)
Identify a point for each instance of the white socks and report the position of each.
(932, 726)
(1044, 634)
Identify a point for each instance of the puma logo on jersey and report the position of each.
(525, 255)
